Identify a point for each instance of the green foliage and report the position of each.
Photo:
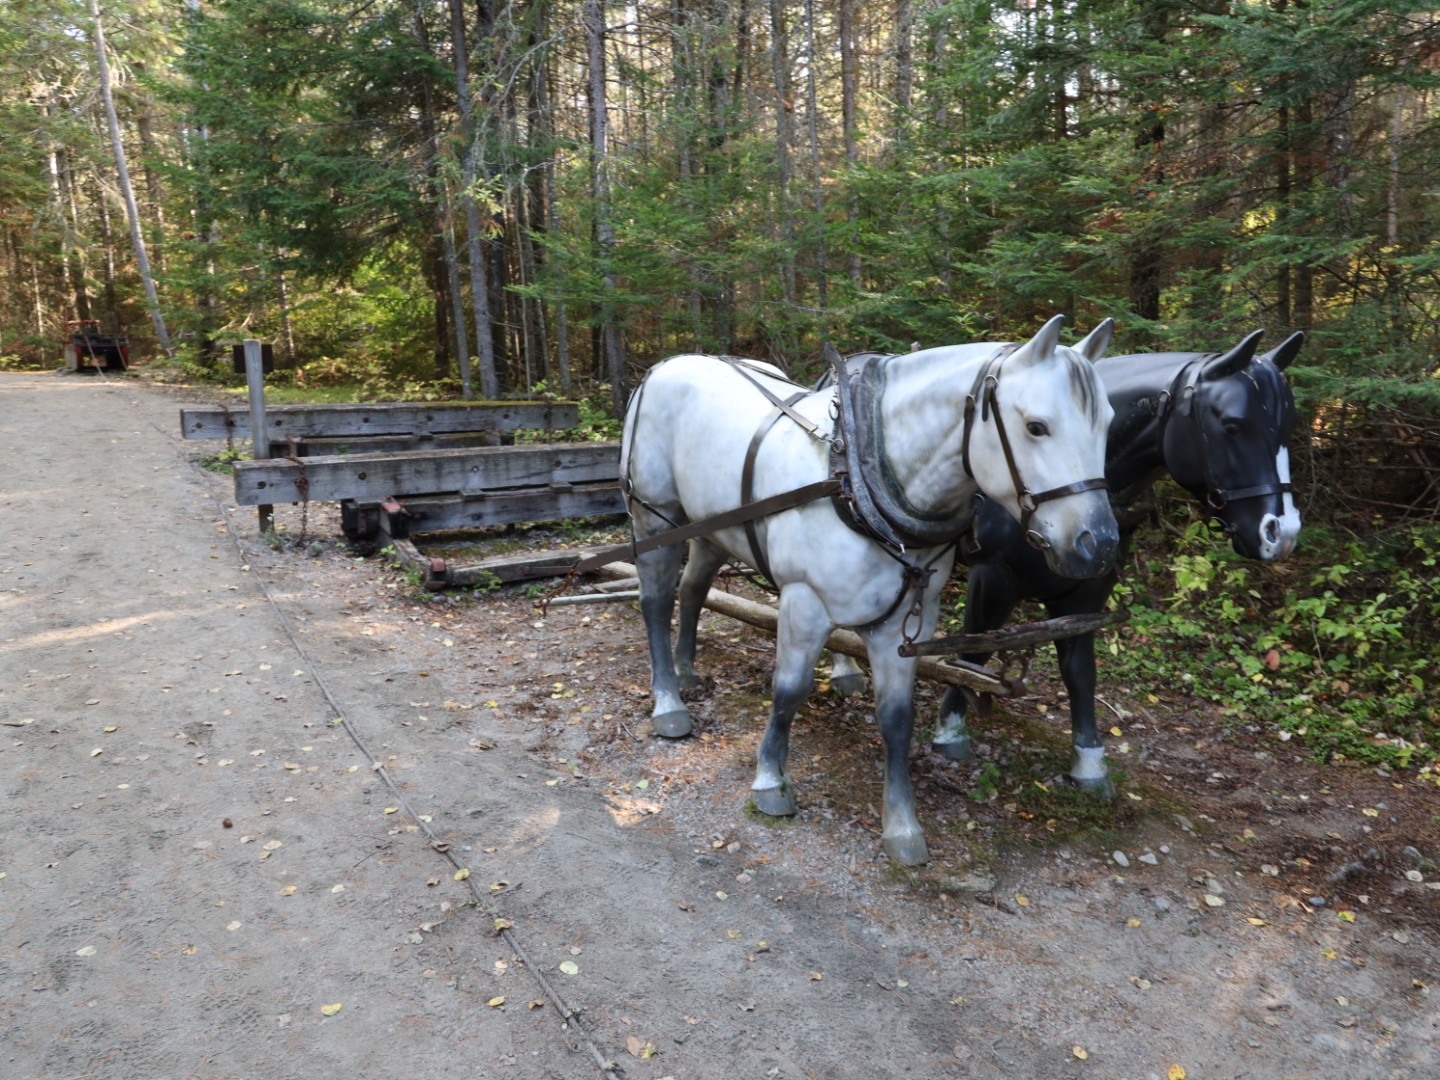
(1338, 650)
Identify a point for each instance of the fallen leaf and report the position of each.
(1254, 921)
(1023, 901)
(234, 926)
(1177, 1072)
(1142, 984)
(461, 874)
(496, 1002)
(391, 809)
(502, 924)
(1214, 901)
(1080, 1052)
(1370, 813)
(535, 1004)
(639, 1048)
(274, 845)
(189, 950)
(96, 752)
(815, 976)
(1345, 916)
(331, 1010)
(337, 888)
(86, 950)
(1132, 923)
(111, 728)
(570, 967)
(1116, 732)
(288, 890)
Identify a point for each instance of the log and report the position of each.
(766, 618)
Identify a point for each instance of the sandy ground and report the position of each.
(198, 865)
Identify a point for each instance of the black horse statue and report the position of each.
(1219, 425)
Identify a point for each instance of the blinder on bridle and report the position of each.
(985, 392)
(1217, 497)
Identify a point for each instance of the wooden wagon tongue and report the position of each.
(1015, 637)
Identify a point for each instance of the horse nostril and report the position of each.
(1270, 530)
(1085, 545)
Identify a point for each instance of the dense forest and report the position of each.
(488, 199)
(566, 190)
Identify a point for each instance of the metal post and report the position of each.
(259, 435)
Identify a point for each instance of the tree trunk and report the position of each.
(552, 223)
(613, 361)
(822, 285)
(162, 336)
(479, 287)
(780, 72)
(849, 76)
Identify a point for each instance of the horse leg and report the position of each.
(846, 675)
(894, 679)
(800, 638)
(705, 559)
(990, 597)
(658, 571)
(1088, 770)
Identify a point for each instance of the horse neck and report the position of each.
(923, 410)
(1137, 387)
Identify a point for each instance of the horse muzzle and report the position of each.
(1090, 553)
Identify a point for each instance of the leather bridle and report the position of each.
(1183, 402)
(985, 392)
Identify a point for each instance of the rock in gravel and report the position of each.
(1121, 859)
(1150, 859)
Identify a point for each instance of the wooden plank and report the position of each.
(377, 476)
(440, 513)
(509, 569)
(386, 418)
(331, 445)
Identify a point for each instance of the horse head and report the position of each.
(1037, 447)
(1226, 444)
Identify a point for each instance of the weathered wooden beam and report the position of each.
(1019, 636)
(397, 418)
(377, 476)
(442, 513)
(331, 445)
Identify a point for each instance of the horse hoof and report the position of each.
(775, 801)
(846, 685)
(674, 725)
(1102, 788)
(956, 750)
(908, 850)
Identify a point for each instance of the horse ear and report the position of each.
(1042, 346)
(1284, 353)
(1234, 361)
(1094, 344)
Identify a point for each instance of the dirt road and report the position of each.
(198, 865)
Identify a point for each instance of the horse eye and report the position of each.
(1036, 428)
(1232, 427)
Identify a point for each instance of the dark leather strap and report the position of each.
(806, 425)
(747, 484)
(821, 489)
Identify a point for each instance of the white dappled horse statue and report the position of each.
(687, 431)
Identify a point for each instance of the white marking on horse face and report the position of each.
(1089, 763)
(1278, 536)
